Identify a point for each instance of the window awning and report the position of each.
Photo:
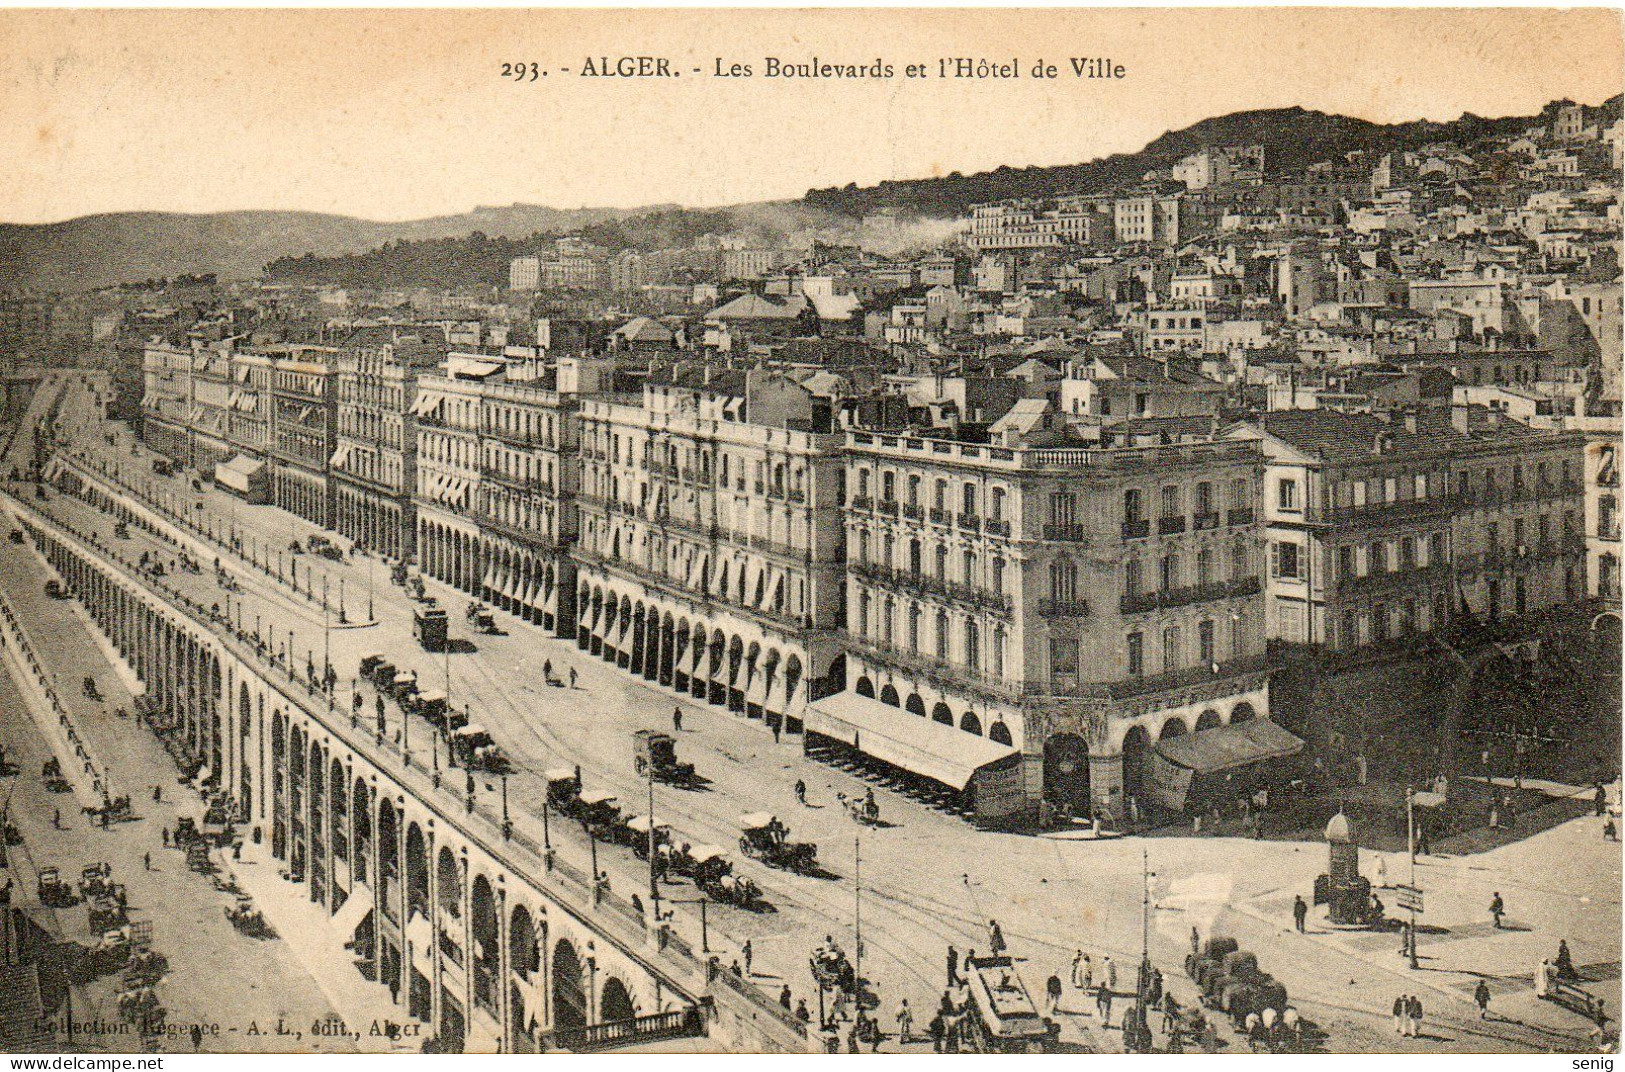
(912, 742)
(339, 458)
(1227, 747)
(424, 403)
(351, 913)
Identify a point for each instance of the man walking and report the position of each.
(1300, 912)
(1109, 971)
(1498, 909)
(1399, 1014)
(749, 953)
(1081, 970)
(905, 1023)
(1103, 1005)
(1481, 995)
(1413, 1016)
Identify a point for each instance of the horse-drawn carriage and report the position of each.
(110, 810)
(475, 750)
(403, 686)
(96, 880)
(638, 835)
(1231, 981)
(831, 969)
(764, 837)
(53, 892)
(655, 751)
(105, 912)
(600, 813)
(480, 618)
(248, 920)
(563, 791)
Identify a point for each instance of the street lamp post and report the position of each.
(1410, 831)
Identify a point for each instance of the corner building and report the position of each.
(1070, 605)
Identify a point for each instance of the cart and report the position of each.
(563, 791)
(657, 751)
(765, 838)
(53, 892)
(601, 812)
(637, 830)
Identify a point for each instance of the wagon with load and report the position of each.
(764, 837)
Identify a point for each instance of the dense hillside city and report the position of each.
(1262, 489)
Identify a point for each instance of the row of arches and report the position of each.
(997, 730)
(530, 585)
(746, 675)
(465, 946)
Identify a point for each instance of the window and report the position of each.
(995, 506)
(914, 491)
(942, 562)
(998, 576)
(971, 576)
(942, 634)
(863, 478)
(913, 627)
(1063, 581)
(1170, 648)
(940, 500)
(973, 644)
(1204, 567)
(863, 547)
(1133, 506)
(1204, 643)
(1241, 566)
(1136, 655)
(1284, 561)
(1379, 558)
(1407, 552)
(1204, 498)
(1286, 493)
(1168, 572)
(1063, 508)
(914, 557)
(1131, 577)
(1170, 501)
(968, 501)
(888, 486)
(1345, 562)
(1241, 494)
(1063, 657)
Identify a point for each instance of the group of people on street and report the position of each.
(1408, 1016)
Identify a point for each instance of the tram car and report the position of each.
(1001, 1015)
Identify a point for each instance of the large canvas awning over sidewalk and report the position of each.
(912, 742)
(1220, 764)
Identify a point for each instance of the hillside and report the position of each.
(1292, 138)
(95, 251)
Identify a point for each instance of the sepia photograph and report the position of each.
(810, 531)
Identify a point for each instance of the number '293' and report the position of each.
(522, 72)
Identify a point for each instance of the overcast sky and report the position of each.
(396, 115)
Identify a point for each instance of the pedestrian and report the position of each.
(1300, 912)
(1382, 871)
(1498, 909)
(677, 720)
(905, 1023)
(1081, 971)
(146, 861)
(936, 1030)
(749, 955)
(1543, 979)
(995, 938)
(1108, 970)
(1196, 940)
(1609, 831)
(838, 1011)
(852, 1039)
(572, 677)
(1599, 800)
(157, 794)
(1399, 1015)
(801, 791)
(784, 998)
(1052, 994)
(1481, 995)
(801, 1012)
(1422, 846)
(1565, 962)
(1103, 1005)
(166, 837)
(775, 731)
(953, 966)
(547, 669)
(1414, 1016)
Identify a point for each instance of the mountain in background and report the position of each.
(123, 247)
(1293, 138)
(95, 251)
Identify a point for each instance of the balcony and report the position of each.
(1242, 516)
(913, 511)
(887, 506)
(1140, 602)
(1063, 608)
(970, 522)
(1136, 528)
(994, 527)
(1204, 521)
(1178, 679)
(939, 516)
(1420, 576)
(797, 496)
(1170, 526)
(863, 502)
(919, 664)
(1067, 533)
(1399, 510)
